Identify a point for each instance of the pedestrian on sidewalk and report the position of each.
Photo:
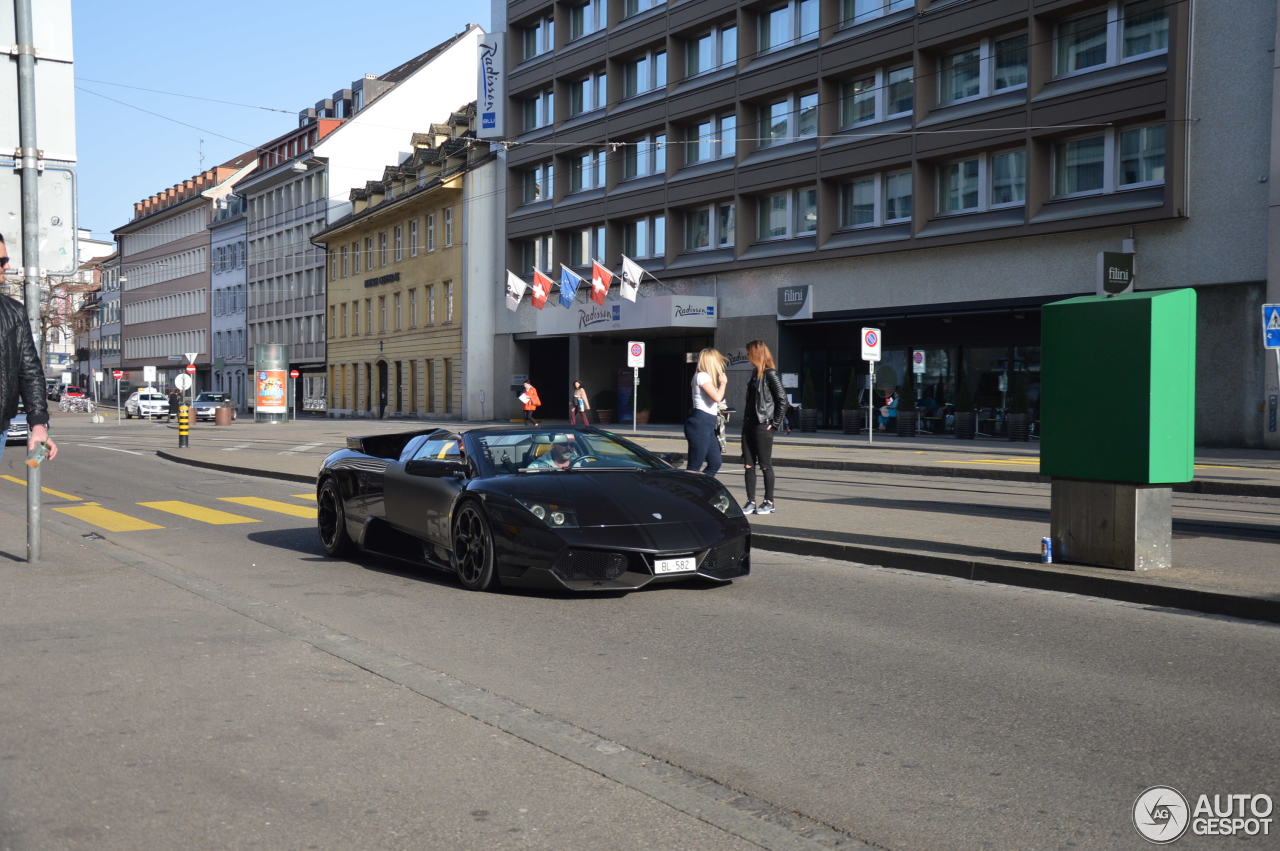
(579, 404)
(710, 382)
(530, 401)
(21, 374)
(175, 403)
(766, 410)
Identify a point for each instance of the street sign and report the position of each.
(117, 374)
(635, 354)
(182, 382)
(149, 375)
(871, 344)
(191, 368)
(1115, 272)
(191, 356)
(293, 373)
(1271, 326)
(917, 361)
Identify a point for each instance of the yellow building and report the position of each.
(395, 278)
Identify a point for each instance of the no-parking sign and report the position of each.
(635, 353)
(871, 344)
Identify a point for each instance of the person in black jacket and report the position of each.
(765, 412)
(21, 374)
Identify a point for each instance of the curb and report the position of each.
(1043, 578)
(233, 468)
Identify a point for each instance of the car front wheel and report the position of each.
(473, 556)
(331, 521)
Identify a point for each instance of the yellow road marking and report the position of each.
(1027, 461)
(196, 512)
(1218, 467)
(272, 505)
(49, 491)
(307, 496)
(105, 518)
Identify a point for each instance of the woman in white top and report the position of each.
(709, 385)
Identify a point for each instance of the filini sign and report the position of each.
(795, 302)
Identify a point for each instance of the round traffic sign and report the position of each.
(117, 373)
(636, 350)
(293, 373)
(182, 382)
(917, 357)
(191, 368)
(872, 338)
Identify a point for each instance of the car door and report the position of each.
(422, 486)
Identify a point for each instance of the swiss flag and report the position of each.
(541, 289)
(601, 278)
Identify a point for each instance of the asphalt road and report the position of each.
(901, 710)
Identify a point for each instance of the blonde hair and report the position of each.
(711, 362)
(760, 357)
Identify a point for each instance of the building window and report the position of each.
(431, 232)
(413, 237)
(1118, 33)
(398, 237)
(784, 215)
(382, 314)
(587, 170)
(877, 96)
(645, 156)
(854, 12)
(645, 237)
(395, 315)
(644, 74)
(355, 258)
(448, 227)
(635, 7)
(786, 24)
(382, 248)
(343, 313)
(586, 18)
(876, 200)
(586, 244)
(535, 254)
(448, 301)
(993, 65)
(709, 227)
(710, 50)
(786, 120)
(983, 182)
(368, 317)
(588, 93)
(431, 304)
(1131, 158)
(1141, 157)
(538, 110)
(537, 38)
(536, 183)
(413, 308)
(712, 139)
(344, 262)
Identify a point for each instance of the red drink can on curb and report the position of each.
(1046, 550)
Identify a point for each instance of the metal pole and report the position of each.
(871, 400)
(635, 392)
(28, 154)
(117, 401)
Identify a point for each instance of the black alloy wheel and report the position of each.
(331, 521)
(473, 557)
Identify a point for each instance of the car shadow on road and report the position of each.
(892, 542)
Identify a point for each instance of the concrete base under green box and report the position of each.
(1111, 524)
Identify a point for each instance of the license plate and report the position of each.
(675, 565)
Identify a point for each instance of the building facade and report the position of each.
(165, 275)
(397, 282)
(228, 243)
(937, 170)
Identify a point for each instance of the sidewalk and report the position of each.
(1221, 567)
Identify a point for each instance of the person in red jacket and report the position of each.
(531, 403)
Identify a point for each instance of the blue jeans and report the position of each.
(700, 431)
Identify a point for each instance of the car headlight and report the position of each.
(726, 504)
(554, 515)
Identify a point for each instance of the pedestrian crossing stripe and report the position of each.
(307, 496)
(272, 505)
(104, 518)
(196, 512)
(50, 491)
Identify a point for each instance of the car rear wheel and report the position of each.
(473, 556)
(331, 521)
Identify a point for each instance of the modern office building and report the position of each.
(302, 183)
(797, 170)
(228, 312)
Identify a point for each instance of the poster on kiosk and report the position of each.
(271, 381)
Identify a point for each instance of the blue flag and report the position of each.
(569, 281)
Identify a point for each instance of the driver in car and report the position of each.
(558, 457)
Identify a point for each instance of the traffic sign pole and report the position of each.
(871, 354)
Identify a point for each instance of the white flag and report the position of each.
(632, 272)
(515, 291)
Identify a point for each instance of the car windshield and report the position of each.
(551, 450)
(212, 397)
(151, 397)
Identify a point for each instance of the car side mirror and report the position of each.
(435, 468)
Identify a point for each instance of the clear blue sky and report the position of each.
(282, 55)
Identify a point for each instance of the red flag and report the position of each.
(541, 289)
(601, 278)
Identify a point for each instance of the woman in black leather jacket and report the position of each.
(765, 411)
(21, 375)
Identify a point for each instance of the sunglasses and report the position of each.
(4, 260)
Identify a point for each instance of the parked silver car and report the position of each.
(207, 404)
(146, 403)
(18, 428)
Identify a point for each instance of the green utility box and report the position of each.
(1117, 392)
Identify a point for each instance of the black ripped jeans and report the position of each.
(757, 451)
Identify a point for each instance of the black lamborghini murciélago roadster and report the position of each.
(575, 508)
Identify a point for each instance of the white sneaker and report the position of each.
(749, 508)
(766, 507)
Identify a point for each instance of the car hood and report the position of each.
(619, 497)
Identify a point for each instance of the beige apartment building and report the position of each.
(395, 278)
